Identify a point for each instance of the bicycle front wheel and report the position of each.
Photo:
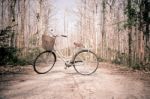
(85, 62)
(44, 62)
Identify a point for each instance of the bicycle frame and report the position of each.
(62, 57)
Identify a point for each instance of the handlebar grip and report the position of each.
(64, 35)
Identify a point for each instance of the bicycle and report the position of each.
(84, 61)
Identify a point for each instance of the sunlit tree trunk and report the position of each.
(103, 30)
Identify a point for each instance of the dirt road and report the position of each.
(107, 83)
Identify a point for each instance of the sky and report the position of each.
(65, 8)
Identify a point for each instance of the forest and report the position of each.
(74, 49)
(118, 31)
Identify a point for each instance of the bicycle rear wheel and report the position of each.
(85, 62)
(44, 62)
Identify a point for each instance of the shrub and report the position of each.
(8, 55)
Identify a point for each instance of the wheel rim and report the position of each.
(86, 63)
(44, 62)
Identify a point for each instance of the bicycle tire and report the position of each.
(87, 69)
(44, 62)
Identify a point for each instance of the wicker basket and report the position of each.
(48, 42)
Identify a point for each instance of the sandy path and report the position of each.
(67, 84)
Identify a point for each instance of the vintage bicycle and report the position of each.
(84, 61)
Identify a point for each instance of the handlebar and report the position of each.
(60, 36)
(57, 35)
(64, 36)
